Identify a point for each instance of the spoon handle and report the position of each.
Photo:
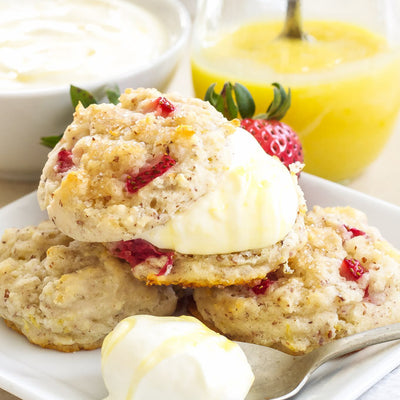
(292, 28)
(358, 341)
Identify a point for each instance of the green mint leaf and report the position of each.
(81, 95)
(244, 101)
(50, 141)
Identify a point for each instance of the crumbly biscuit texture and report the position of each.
(69, 295)
(84, 182)
(314, 299)
(31, 241)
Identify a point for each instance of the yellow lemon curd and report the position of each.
(345, 84)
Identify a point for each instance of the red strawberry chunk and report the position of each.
(262, 287)
(134, 183)
(166, 269)
(162, 106)
(354, 231)
(64, 161)
(136, 251)
(351, 269)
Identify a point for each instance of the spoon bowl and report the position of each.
(280, 376)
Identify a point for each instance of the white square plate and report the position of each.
(32, 373)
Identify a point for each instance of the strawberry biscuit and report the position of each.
(166, 267)
(121, 170)
(67, 295)
(236, 234)
(172, 187)
(346, 279)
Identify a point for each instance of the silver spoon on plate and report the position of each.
(280, 376)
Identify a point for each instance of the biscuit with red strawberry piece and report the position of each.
(166, 267)
(346, 279)
(213, 207)
(68, 295)
(122, 169)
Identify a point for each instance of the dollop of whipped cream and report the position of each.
(255, 206)
(179, 358)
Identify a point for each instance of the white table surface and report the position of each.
(381, 180)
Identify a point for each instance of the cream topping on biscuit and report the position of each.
(255, 206)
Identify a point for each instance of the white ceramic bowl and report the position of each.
(26, 116)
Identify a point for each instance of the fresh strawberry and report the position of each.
(134, 183)
(275, 137)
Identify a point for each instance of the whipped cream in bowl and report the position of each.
(48, 46)
(75, 41)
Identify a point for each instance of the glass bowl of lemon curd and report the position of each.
(344, 77)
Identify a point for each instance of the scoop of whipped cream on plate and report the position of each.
(172, 358)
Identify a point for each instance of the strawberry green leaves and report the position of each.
(279, 105)
(215, 99)
(245, 101)
(79, 95)
(225, 103)
(275, 137)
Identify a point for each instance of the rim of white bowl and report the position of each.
(182, 39)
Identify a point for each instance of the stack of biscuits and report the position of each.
(123, 170)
